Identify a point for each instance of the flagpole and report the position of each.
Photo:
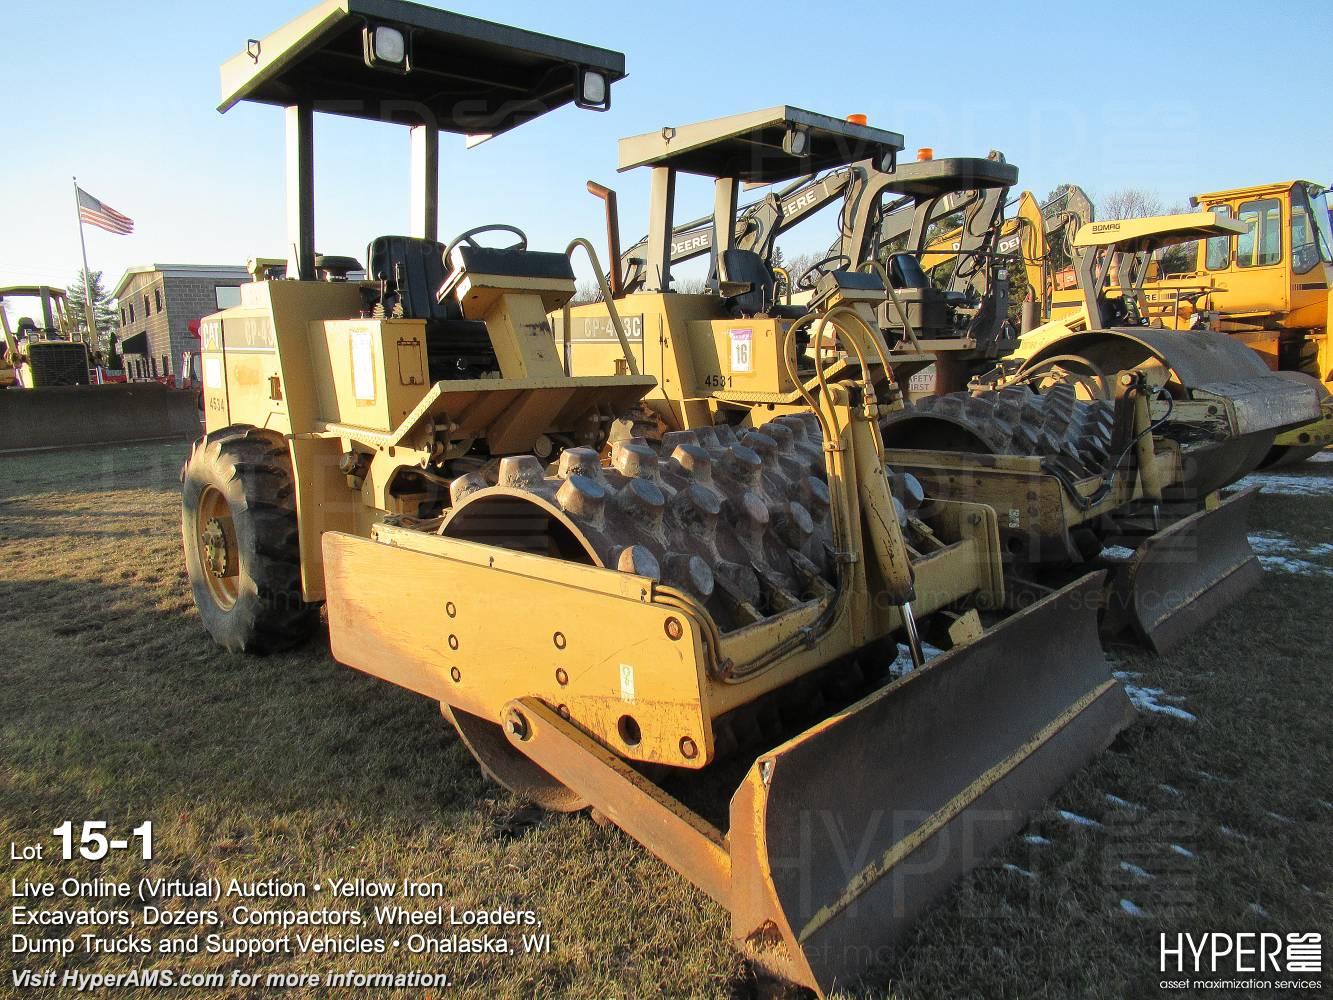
(90, 318)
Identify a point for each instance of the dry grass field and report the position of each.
(1213, 813)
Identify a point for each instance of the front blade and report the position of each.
(1185, 574)
(841, 836)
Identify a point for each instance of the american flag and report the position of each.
(103, 216)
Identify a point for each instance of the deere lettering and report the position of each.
(700, 241)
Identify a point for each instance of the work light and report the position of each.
(385, 47)
(594, 91)
(796, 142)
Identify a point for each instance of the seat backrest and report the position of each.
(412, 270)
(905, 272)
(742, 268)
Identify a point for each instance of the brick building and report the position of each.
(156, 303)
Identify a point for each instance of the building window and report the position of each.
(122, 316)
(146, 311)
(131, 312)
(227, 296)
(1261, 244)
(157, 298)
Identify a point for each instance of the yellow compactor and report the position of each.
(604, 621)
(1066, 476)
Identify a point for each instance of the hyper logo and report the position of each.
(1245, 952)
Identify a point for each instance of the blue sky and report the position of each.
(1171, 97)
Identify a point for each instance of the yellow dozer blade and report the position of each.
(840, 836)
(1183, 575)
(86, 415)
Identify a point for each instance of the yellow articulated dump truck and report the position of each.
(596, 618)
(51, 403)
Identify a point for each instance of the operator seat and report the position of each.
(929, 308)
(748, 285)
(410, 271)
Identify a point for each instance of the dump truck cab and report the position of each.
(1275, 273)
(717, 353)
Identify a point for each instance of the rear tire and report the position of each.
(239, 528)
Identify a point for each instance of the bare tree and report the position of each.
(1136, 203)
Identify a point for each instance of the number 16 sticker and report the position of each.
(742, 358)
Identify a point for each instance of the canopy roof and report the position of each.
(33, 291)
(931, 178)
(466, 75)
(749, 147)
(1156, 231)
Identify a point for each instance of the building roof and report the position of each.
(181, 271)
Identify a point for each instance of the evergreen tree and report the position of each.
(78, 310)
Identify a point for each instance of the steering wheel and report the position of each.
(470, 238)
(811, 275)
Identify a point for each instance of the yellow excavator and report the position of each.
(603, 622)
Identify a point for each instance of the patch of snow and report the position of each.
(1170, 790)
(1278, 816)
(1117, 553)
(1226, 831)
(1036, 838)
(1321, 456)
(1258, 910)
(1135, 870)
(1120, 803)
(1125, 675)
(1184, 852)
(1285, 555)
(1206, 776)
(1130, 907)
(1018, 871)
(1147, 699)
(1291, 486)
(903, 664)
(1078, 820)
(1296, 567)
